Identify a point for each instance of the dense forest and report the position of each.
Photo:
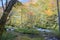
(29, 17)
(39, 13)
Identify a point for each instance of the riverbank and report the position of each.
(15, 35)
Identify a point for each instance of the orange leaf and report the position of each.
(30, 13)
(48, 12)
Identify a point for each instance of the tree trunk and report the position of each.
(5, 15)
(58, 10)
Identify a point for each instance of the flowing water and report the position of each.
(44, 33)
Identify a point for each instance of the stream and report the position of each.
(46, 36)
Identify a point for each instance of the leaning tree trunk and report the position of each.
(5, 15)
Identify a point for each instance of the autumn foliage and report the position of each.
(40, 13)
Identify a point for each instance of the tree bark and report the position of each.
(58, 10)
(5, 15)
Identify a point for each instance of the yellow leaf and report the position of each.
(48, 12)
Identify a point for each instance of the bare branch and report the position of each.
(2, 4)
(6, 3)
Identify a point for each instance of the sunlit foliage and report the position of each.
(38, 13)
